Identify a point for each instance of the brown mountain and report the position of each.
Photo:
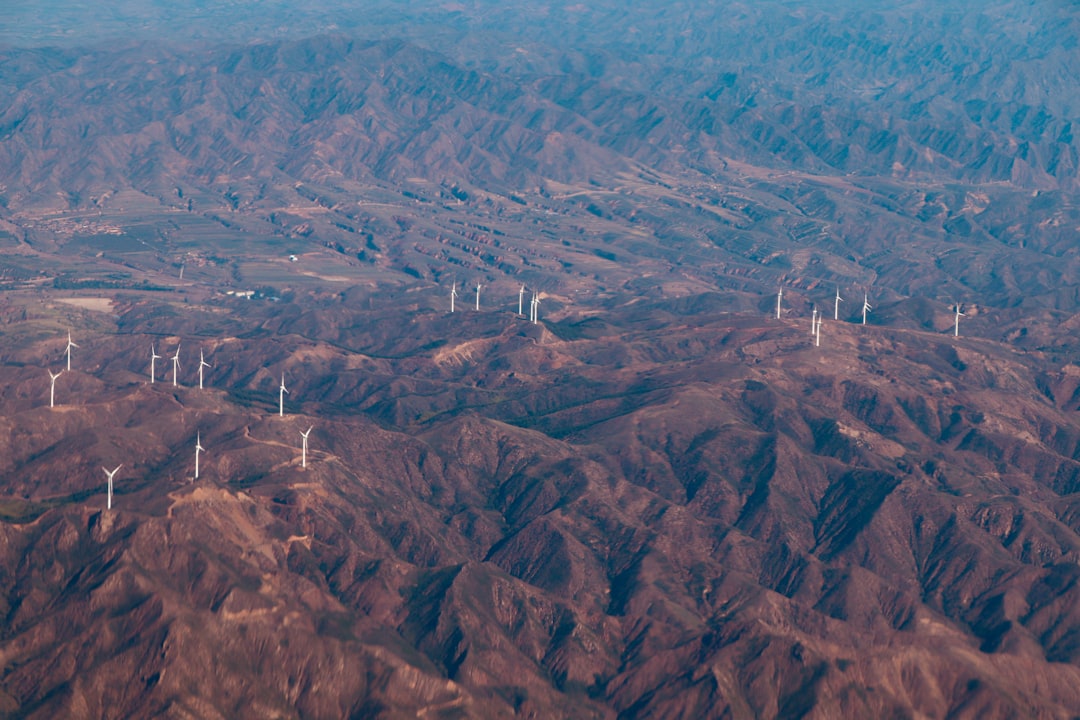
(671, 511)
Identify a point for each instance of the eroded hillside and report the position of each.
(677, 509)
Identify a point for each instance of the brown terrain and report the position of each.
(659, 501)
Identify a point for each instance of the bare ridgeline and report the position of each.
(587, 360)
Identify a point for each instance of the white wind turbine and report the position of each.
(956, 327)
(68, 350)
(153, 356)
(281, 397)
(110, 473)
(521, 297)
(836, 305)
(866, 307)
(817, 331)
(536, 309)
(52, 386)
(175, 365)
(198, 449)
(202, 364)
(779, 297)
(813, 320)
(478, 286)
(303, 456)
(453, 294)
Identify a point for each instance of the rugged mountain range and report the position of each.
(927, 152)
(676, 511)
(659, 500)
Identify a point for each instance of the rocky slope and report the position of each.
(676, 511)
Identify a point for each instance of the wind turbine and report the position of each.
(153, 356)
(536, 309)
(779, 297)
(956, 327)
(453, 294)
(478, 286)
(866, 307)
(198, 449)
(281, 397)
(175, 365)
(836, 305)
(521, 297)
(68, 350)
(303, 457)
(202, 364)
(52, 386)
(110, 473)
(813, 321)
(817, 331)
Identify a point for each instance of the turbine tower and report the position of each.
(866, 307)
(68, 350)
(478, 286)
(453, 294)
(521, 297)
(175, 365)
(110, 473)
(281, 397)
(536, 309)
(52, 386)
(817, 331)
(779, 297)
(202, 364)
(956, 327)
(836, 304)
(813, 321)
(153, 356)
(198, 449)
(303, 456)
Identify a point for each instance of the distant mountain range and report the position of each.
(831, 145)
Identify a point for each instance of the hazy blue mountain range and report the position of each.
(843, 130)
